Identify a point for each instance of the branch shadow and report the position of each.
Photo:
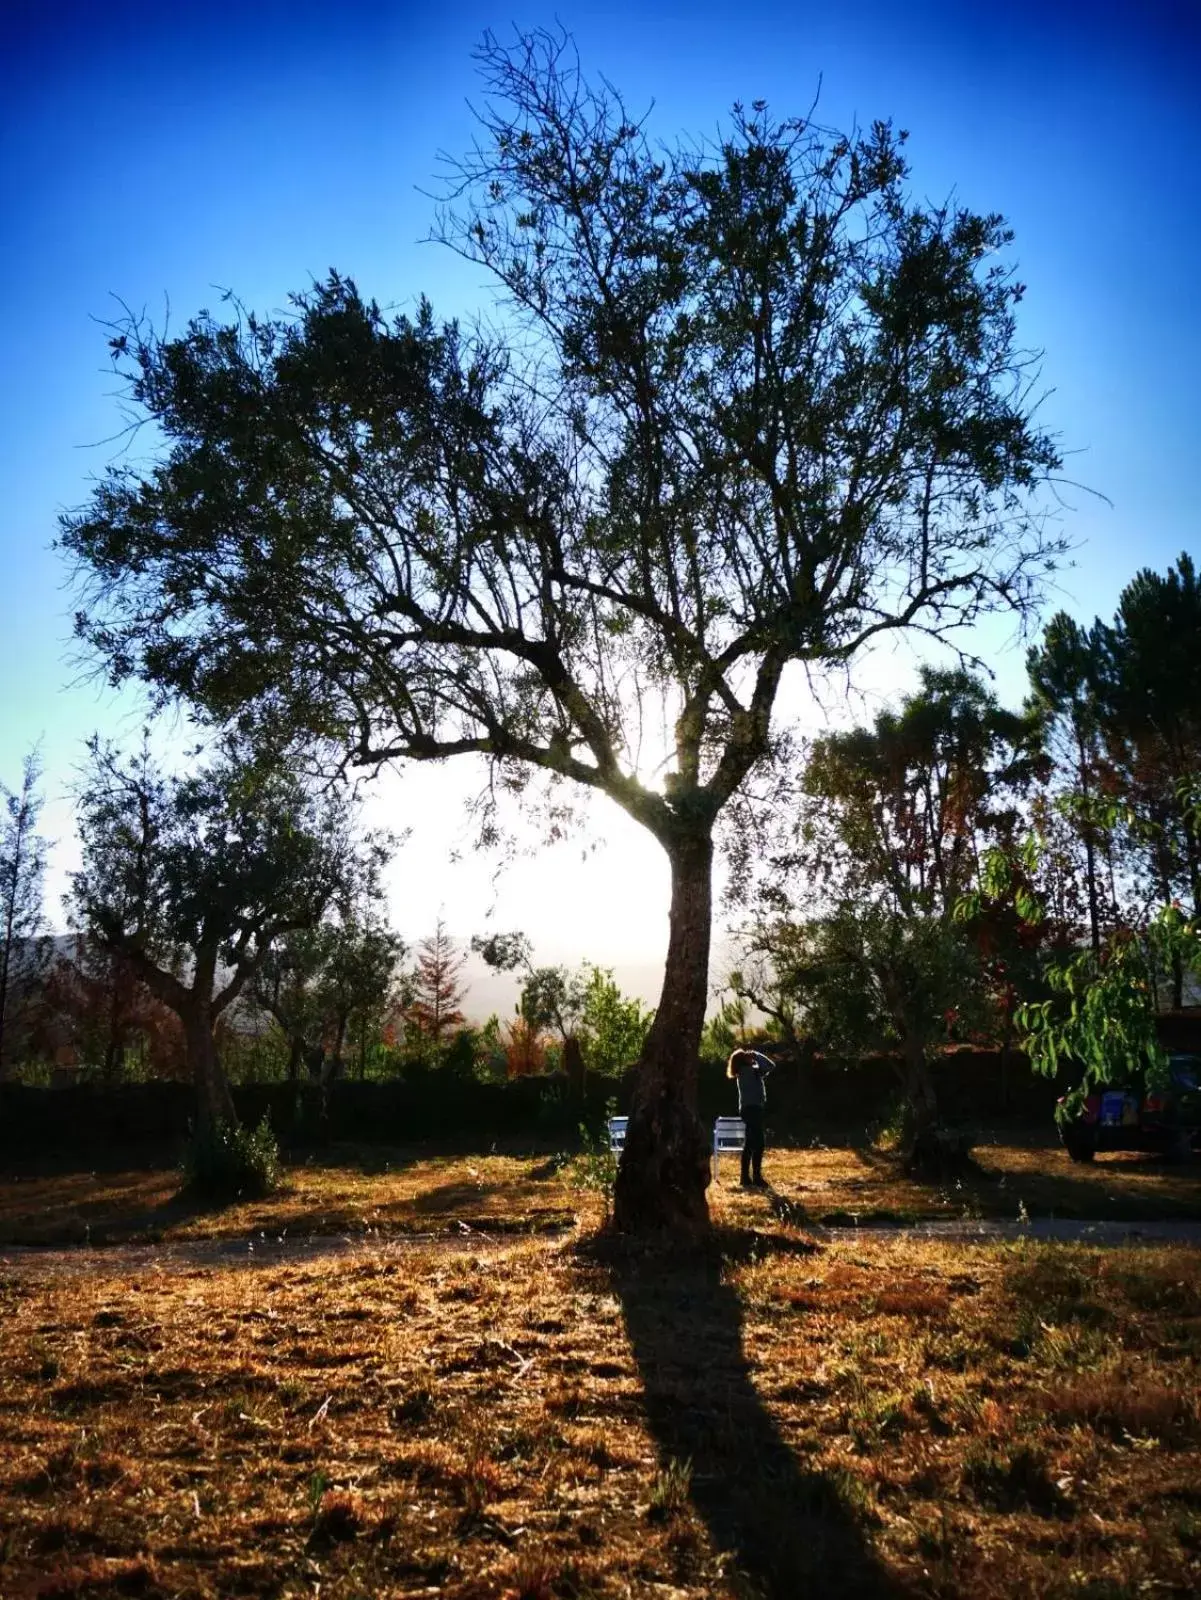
(790, 1529)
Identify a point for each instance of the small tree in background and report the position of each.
(22, 868)
(192, 879)
(525, 1047)
(358, 984)
(550, 998)
(95, 1002)
(614, 1027)
(434, 1012)
(286, 985)
(892, 834)
(329, 988)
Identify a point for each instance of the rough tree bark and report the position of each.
(921, 1104)
(664, 1168)
(214, 1103)
(573, 1065)
(197, 1009)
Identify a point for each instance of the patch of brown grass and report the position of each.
(521, 1416)
(368, 1193)
(1145, 1409)
(352, 1190)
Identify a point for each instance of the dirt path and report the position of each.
(263, 1250)
(1064, 1230)
(259, 1250)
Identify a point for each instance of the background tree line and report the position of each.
(958, 872)
(937, 870)
(230, 925)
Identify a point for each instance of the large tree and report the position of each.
(748, 404)
(191, 880)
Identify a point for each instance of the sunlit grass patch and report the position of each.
(528, 1415)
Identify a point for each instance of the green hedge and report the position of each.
(822, 1098)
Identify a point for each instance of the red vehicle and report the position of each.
(1130, 1116)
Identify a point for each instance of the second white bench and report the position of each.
(729, 1138)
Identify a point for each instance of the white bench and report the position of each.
(729, 1138)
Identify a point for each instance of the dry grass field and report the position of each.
(410, 1191)
(500, 1413)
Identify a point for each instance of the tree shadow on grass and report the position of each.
(791, 1530)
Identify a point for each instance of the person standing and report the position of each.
(749, 1068)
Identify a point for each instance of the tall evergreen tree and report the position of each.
(1151, 689)
(22, 869)
(437, 992)
(1065, 673)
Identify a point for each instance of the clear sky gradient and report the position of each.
(159, 153)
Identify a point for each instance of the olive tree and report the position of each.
(192, 879)
(745, 403)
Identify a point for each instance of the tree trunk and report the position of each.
(664, 1168)
(921, 1104)
(1090, 848)
(295, 1052)
(929, 1150)
(214, 1103)
(573, 1065)
(114, 1050)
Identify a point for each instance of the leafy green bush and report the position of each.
(230, 1162)
(596, 1165)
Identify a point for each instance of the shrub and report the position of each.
(596, 1165)
(228, 1162)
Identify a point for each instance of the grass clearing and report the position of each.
(534, 1417)
(405, 1191)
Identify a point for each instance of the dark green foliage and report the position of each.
(890, 837)
(225, 1161)
(1066, 673)
(192, 879)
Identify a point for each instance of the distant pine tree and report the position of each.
(437, 991)
(22, 868)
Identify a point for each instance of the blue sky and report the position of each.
(157, 153)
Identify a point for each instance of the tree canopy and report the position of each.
(748, 404)
(193, 878)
